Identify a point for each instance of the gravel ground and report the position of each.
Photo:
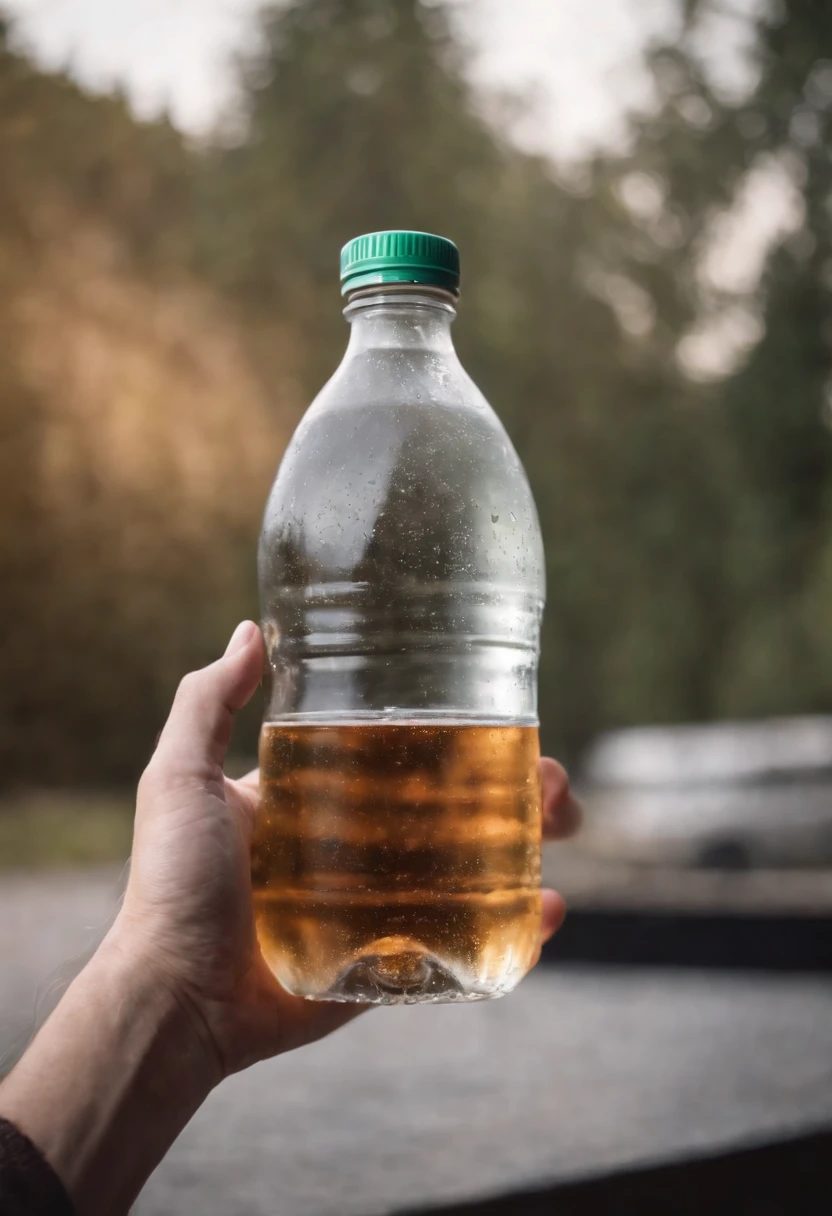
(580, 1071)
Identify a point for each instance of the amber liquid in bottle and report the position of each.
(398, 862)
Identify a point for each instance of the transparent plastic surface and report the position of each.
(397, 853)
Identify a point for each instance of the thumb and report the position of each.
(198, 730)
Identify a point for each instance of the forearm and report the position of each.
(110, 1081)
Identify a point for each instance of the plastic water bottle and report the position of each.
(397, 853)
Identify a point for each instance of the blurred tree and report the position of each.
(778, 404)
(166, 312)
(135, 443)
(744, 585)
(355, 116)
(770, 430)
(359, 116)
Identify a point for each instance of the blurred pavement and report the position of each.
(582, 1070)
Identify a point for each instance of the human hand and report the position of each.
(187, 914)
(178, 995)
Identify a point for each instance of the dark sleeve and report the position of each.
(28, 1184)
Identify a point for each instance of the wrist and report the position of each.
(126, 965)
(112, 1078)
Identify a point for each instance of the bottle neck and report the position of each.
(407, 317)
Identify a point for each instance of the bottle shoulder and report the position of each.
(413, 474)
(428, 411)
(402, 377)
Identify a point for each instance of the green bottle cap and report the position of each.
(399, 257)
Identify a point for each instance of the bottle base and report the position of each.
(440, 998)
(399, 971)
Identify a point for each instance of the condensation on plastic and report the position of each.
(401, 564)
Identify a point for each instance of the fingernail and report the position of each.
(240, 637)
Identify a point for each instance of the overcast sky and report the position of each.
(580, 58)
